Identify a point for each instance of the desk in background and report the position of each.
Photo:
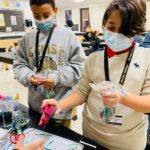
(88, 44)
(80, 36)
(54, 128)
(88, 50)
(7, 43)
(8, 40)
(7, 57)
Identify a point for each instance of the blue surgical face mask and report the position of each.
(116, 41)
(46, 25)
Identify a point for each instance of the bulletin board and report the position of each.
(11, 20)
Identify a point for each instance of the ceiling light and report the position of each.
(78, 1)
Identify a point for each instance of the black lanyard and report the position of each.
(126, 67)
(40, 64)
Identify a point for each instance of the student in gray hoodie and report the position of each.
(49, 59)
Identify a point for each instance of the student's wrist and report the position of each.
(123, 99)
(54, 77)
(29, 78)
(62, 104)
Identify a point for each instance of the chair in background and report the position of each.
(4, 65)
(138, 39)
(146, 42)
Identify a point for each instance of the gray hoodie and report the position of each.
(63, 63)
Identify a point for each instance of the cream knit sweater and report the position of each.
(132, 134)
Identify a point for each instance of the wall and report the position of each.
(96, 13)
(96, 16)
(148, 16)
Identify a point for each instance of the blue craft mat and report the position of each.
(53, 142)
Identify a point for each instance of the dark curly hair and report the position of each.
(133, 14)
(41, 2)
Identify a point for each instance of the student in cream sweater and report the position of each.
(122, 21)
